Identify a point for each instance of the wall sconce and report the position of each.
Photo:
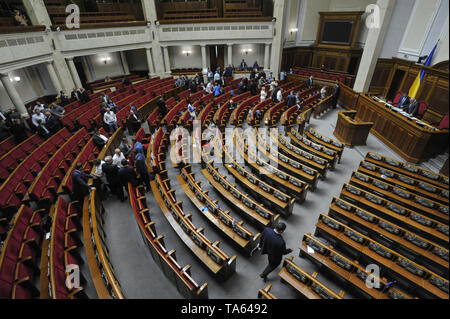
(293, 30)
(247, 51)
(187, 53)
(14, 79)
(105, 59)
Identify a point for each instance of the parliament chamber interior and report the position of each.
(157, 149)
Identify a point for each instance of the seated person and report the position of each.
(38, 116)
(42, 130)
(412, 108)
(232, 105)
(52, 122)
(110, 119)
(126, 81)
(99, 140)
(404, 100)
(57, 110)
(20, 18)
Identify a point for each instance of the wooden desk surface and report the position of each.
(200, 253)
(252, 214)
(210, 216)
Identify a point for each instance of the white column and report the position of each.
(373, 46)
(230, 54)
(204, 66)
(151, 70)
(123, 58)
(279, 13)
(167, 60)
(53, 76)
(37, 12)
(267, 58)
(74, 73)
(14, 95)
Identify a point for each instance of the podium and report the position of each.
(351, 132)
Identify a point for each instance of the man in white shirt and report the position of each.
(38, 116)
(209, 88)
(217, 77)
(39, 107)
(118, 157)
(111, 120)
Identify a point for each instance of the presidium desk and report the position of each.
(414, 140)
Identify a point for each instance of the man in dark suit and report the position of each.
(291, 100)
(19, 130)
(127, 175)
(228, 71)
(99, 140)
(337, 91)
(52, 122)
(84, 96)
(413, 107)
(140, 163)
(404, 100)
(75, 95)
(111, 172)
(42, 130)
(253, 88)
(134, 122)
(273, 245)
(162, 107)
(309, 82)
(80, 187)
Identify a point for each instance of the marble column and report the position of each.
(86, 69)
(151, 69)
(53, 76)
(74, 73)
(230, 54)
(279, 13)
(14, 95)
(204, 66)
(267, 58)
(373, 46)
(167, 60)
(37, 12)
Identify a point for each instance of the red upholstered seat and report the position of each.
(422, 109)
(397, 99)
(444, 123)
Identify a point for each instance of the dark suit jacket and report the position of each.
(111, 172)
(403, 102)
(98, 141)
(336, 92)
(52, 123)
(413, 108)
(273, 245)
(42, 133)
(309, 83)
(127, 175)
(141, 165)
(79, 184)
(291, 100)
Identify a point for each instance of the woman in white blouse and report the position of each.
(323, 92)
(263, 94)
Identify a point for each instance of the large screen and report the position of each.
(338, 32)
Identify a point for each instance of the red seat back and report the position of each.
(444, 123)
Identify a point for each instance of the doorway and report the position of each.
(395, 84)
(217, 57)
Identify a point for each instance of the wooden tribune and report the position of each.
(351, 132)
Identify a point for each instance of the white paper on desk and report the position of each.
(310, 250)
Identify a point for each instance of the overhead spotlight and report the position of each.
(14, 79)
(247, 51)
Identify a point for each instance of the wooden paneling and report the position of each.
(433, 91)
(411, 142)
(348, 98)
(351, 132)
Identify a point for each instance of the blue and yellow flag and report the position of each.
(416, 85)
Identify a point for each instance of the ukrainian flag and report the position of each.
(416, 85)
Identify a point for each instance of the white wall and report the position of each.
(34, 83)
(178, 60)
(442, 49)
(100, 70)
(310, 19)
(396, 28)
(256, 55)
